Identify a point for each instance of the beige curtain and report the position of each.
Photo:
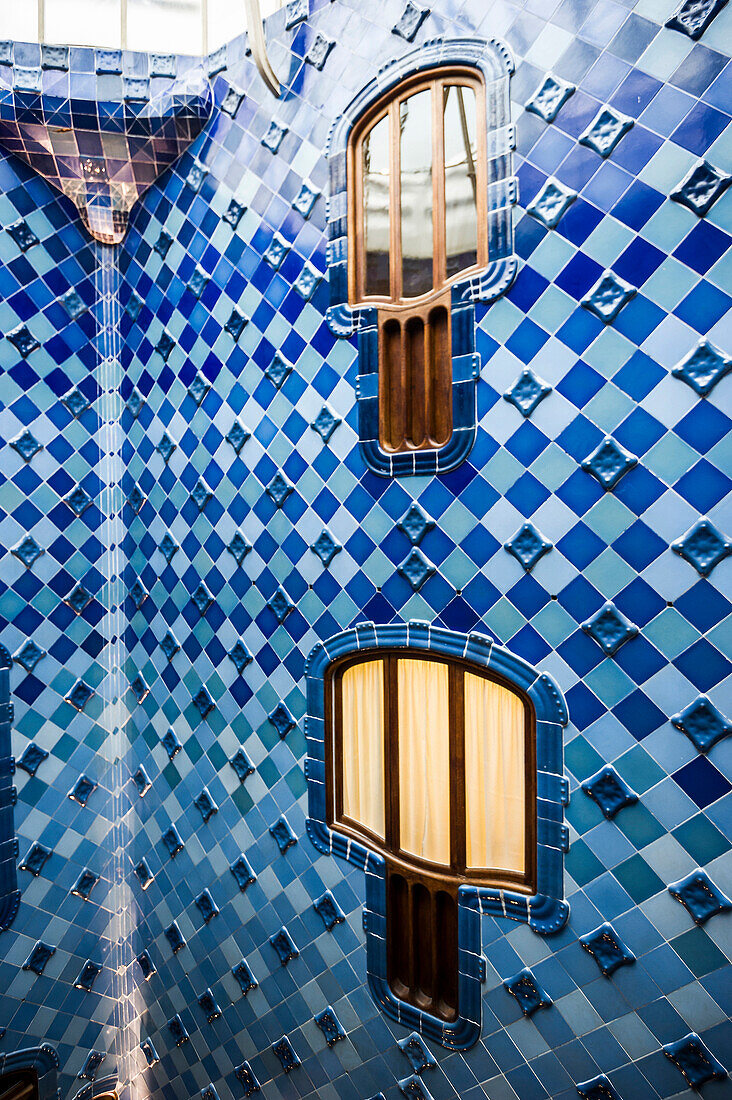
(363, 745)
(424, 759)
(494, 776)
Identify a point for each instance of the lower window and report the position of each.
(22, 1085)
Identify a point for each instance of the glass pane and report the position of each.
(495, 780)
(168, 26)
(376, 207)
(461, 207)
(83, 22)
(19, 21)
(225, 22)
(424, 759)
(362, 693)
(416, 194)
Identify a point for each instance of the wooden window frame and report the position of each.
(457, 873)
(435, 79)
(20, 1084)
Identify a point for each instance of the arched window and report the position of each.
(21, 1085)
(431, 762)
(417, 161)
(435, 765)
(419, 225)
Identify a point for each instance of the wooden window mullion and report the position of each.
(395, 203)
(458, 842)
(438, 184)
(391, 754)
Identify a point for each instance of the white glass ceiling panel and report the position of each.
(19, 20)
(165, 26)
(83, 22)
(226, 21)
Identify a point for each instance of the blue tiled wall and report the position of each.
(198, 257)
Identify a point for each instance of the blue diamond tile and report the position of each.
(276, 251)
(599, 1088)
(703, 184)
(307, 281)
(164, 64)
(245, 977)
(175, 938)
(326, 547)
(244, 1073)
(32, 758)
(609, 462)
(28, 551)
(196, 175)
(610, 629)
(138, 593)
(527, 391)
(279, 489)
(90, 971)
(202, 598)
(207, 1003)
(85, 883)
(325, 423)
(551, 203)
(697, 1064)
(295, 12)
(319, 51)
(172, 840)
(306, 198)
(410, 21)
(233, 213)
(610, 791)
(281, 605)
(164, 346)
(282, 720)
(79, 695)
(23, 340)
(274, 135)
(330, 1025)
(55, 57)
(206, 906)
(242, 871)
(329, 911)
(75, 402)
(29, 655)
(608, 296)
(142, 781)
(73, 303)
(23, 235)
(242, 765)
(413, 1048)
(283, 834)
(134, 305)
(168, 546)
(232, 101)
(205, 804)
(148, 1049)
(607, 949)
(692, 17)
(139, 687)
(135, 402)
(170, 645)
(415, 1088)
(700, 896)
(703, 546)
(237, 435)
(163, 243)
(198, 282)
(26, 445)
(198, 388)
(203, 702)
(239, 547)
(416, 568)
(550, 97)
(39, 957)
(528, 992)
(702, 723)
(171, 741)
(240, 656)
(82, 790)
(143, 873)
(278, 370)
(284, 945)
(136, 499)
(285, 1052)
(415, 523)
(36, 859)
(78, 500)
(236, 324)
(176, 1027)
(703, 367)
(201, 494)
(528, 545)
(605, 131)
(91, 1065)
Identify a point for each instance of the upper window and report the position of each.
(432, 765)
(417, 222)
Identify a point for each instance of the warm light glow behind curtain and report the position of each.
(424, 759)
(494, 776)
(363, 745)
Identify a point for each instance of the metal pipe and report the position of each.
(255, 27)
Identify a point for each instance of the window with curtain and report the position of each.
(432, 764)
(417, 206)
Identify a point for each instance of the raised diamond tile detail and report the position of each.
(527, 391)
(202, 598)
(608, 296)
(164, 346)
(242, 871)
(201, 494)
(238, 435)
(415, 523)
(26, 445)
(136, 498)
(330, 1025)
(171, 742)
(203, 702)
(610, 791)
(329, 911)
(29, 655)
(242, 765)
(135, 402)
(79, 695)
(73, 303)
(28, 551)
(23, 235)
(36, 859)
(695, 1061)
(609, 462)
(282, 720)
(550, 97)
(295, 12)
(75, 402)
(284, 945)
(528, 992)
(78, 500)
(610, 629)
(247, 1079)
(236, 324)
(702, 723)
(283, 834)
(87, 976)
(168, 546)
(413, 1048)
(305, 198)
(138, 593)
(207, 1003)
(23, 340)
(198, 282)
(281, 605)
(551, 203)
(172, 840)
(39, 957)
(206, 906)
(307, 281)
(285, 1051)
(278, 370)
(274, 135)
(198, 388)
(232, 101)
(599, 1088)
(205, 804)
(245, 976)
(703, 546)
(325, 423)
(233, 213)
(318, 53)
(702, 186)
(32, 758)
(528, 545)
(326, 547)
(176, 1027)
(240, 656)
(170, 645)
(276, 251)
(692, 17)
(607, 949)
(416, 568)
(279, 489)
(699, 895)
(605, 131)
(82, 790)
(410, 21)
(239, 547)
(703, 367)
